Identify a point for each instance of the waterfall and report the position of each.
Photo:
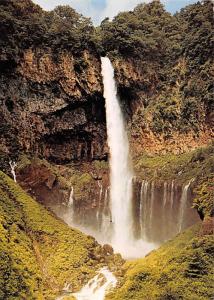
(71, 198)
(106, 224)
(142, 203)
(164, 194)
(120, 167)
(152, 206)
(121, 176)
(98, 286)
(183, 204)
(143, 208)
(172, 194)
(68, 215)
(99, 209)
(13, 165)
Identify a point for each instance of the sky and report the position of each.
(100, 9)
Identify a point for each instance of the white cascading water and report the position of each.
(13, 165)
(98, 286)
(71, 198)
(164, 194)
(183, 204)
(95, 289)
(172, 194)
(120, 171)
(68, 215)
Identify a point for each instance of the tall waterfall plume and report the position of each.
(121, 176)
(120, 165)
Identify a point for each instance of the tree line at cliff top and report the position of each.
(147, 32)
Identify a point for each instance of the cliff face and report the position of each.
(53, 107)
(156, 108)
(51, 87)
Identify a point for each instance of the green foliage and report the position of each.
(197, 42)
(146, 32)
(24, 25)
(180, 269)
(173, 51)
(197, 164)
(39, 253)
(203, 201)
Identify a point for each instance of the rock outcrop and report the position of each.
(142, 94)
(49, 108)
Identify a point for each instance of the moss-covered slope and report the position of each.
(180, 269)
(38, 253)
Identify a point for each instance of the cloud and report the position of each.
(89, 8)
(100, 9)
(114, 7)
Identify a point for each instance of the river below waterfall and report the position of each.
(96, 288)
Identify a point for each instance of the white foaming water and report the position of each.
(71, 198)
(183, 203)
(165, 194)
(120, 171)
(68, 216)
(152, 205)
(172, 194)
(98, 286)
(13, 166)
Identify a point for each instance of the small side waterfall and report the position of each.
(120, 165)
(99, 211)
(71, 198)
(13, 165)
(69, 212)
(183, 204)
(164, 210)
(172, 194)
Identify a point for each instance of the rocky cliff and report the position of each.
(156, 109)
(51, 109)
(51, 94)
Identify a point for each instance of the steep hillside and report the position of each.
(39, 254)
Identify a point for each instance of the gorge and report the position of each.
(106, 153)
(133, 227)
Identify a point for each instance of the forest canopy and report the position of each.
(24, 25)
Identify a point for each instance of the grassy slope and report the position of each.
(180, 269)
(38, 253)
(181, 167)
